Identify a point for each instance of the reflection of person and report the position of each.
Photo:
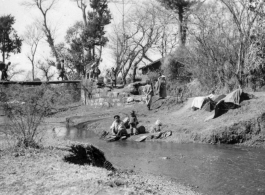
(118, 128)
(133, 123)
(149, 94)
(4, 72)
(161, 86)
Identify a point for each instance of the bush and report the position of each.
(174, 66)
(119, 81)
(25, 109)
(128, 80)
(153, 76)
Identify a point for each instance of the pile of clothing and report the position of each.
(223, 103)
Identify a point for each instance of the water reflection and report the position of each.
(216, 169)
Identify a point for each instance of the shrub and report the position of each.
(25, 109)
(153, 75)
(175, 66)
(128, 80)
(119, 81)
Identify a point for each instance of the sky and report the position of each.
(63, 16)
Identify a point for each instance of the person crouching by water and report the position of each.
(118, 128)
(133, 123)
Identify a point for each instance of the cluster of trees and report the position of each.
(221, 43)
(83, 43)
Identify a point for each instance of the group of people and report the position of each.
(118, 127)
(159, 89)
(4, 69)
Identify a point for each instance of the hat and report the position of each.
(116, 116)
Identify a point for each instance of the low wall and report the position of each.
(104, 97)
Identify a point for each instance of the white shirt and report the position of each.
(117, 126)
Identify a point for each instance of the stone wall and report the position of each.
(104, 97)
(94, 95)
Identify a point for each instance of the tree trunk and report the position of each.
(3, 55)
(134, 73)
(33, 71)
(239, 63)
(182, 29)
(3, 52)
(84, 16)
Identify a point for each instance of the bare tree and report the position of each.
(32, 37)
(168, 40)
(183, 9)
(213, 45)
(45, 68)
(244, 19)
(130, 49)
(44, 6)
(82, 5)
(13, 71)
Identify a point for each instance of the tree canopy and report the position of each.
(9, 40)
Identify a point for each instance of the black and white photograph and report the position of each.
(132, 97)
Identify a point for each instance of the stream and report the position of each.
(211, 169)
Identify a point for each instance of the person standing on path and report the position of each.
(4, 72)
(161, 86)
(149, 94)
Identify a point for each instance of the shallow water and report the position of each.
(213, 169)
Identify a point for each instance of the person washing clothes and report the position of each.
(118, 128)
(133, 123)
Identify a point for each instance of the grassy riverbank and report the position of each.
(43, 171)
